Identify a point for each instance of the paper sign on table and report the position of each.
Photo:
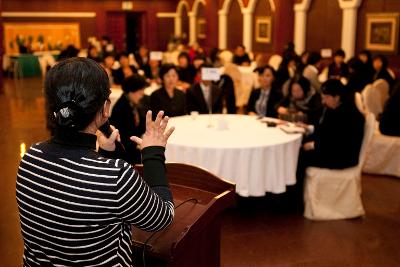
(156, 55)
(210, 74)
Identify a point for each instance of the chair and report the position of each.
(274, 61)
(382, 86)
(360, 103)
(336, 194)
(372, 100)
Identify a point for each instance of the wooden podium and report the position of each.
(193, 238)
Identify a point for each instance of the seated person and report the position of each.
(125, 70)
(286, 70)
(127, 115)
(142, 56)
(367, 69)
(225, 84)
(204, 97)
(338, 69)
(380, 64)
(240, 57)
(152, 71)
(311, 71)
(337, 139)
(186, 70)
(389, 122)
(357, 79)
(263, 101)
(168, 98)
(301, 100)
(107, 63)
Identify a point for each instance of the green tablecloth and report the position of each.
(28, 65)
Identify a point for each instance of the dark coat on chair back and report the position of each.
(195, 100)
(272, 103)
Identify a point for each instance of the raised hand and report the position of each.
(156, 133)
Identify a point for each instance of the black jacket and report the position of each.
(390, 119)
(338, 137)
(160, 100)
(119, 76)
(312, 108)
(225, 84)
(195, 100)
(272, 102)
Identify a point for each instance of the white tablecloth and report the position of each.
(257, 158)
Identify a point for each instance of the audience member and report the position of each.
(93, 53)
(152, 71)
(357, 80)
(311, 71)
(204, 97)
(336, 141)
(301, 102)
(286, 70)
(240, 57)
(215, 60)
(142, 57)
(302, 63)
(168, 98)
(380, 64)
(125, 70)
(338, 68)
(389, 122)
(186, 70)
(263, 101)
(70, 51)
(107, 64)
(128, 117)
(226, 85)
(367, 69)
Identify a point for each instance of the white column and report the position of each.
(192, 28)
(349, 26)
(248, 29)
(178, 25)
(222, 29)
(300, 26)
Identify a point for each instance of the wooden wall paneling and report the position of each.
(185, 24)
(324, 25)
(263, 9)
(116, 29)
(211, 16)
(201, 15)
(235, 25)
(165, 30)
(283, 24)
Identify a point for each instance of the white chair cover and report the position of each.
(372, 100)
(359, 103)
(382, 86)
(274, 61)
(336, 194)
(384, 155)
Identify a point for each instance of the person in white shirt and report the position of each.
(311, 71)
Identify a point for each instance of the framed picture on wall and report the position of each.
(201, 28)
(263, 29)
(382, 32)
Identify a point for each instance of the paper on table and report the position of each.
(292, 129)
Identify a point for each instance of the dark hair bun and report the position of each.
(68, 115)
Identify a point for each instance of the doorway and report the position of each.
(135, 31)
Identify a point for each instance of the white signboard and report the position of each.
(210, 74)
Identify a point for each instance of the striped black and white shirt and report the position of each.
(76, 208)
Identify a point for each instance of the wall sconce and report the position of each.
(127, 5)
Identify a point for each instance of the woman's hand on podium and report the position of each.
(156, 131)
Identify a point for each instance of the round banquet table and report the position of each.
(238, 148)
